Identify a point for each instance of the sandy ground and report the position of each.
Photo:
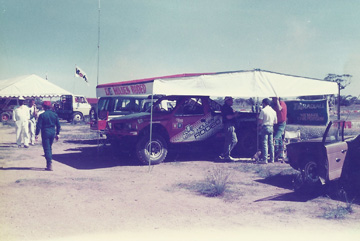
(100, 194)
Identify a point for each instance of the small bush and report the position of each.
(339, 212)
(216, 182)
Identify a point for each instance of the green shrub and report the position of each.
(216, 182)
(339, 212)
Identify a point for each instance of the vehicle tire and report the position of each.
(311, 172)
(92, 114)
(158, 151)
(5, 116)
(246, 146)
(77, 117)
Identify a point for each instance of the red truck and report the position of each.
(178, 119)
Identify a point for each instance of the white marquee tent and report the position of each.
(30, 86)
(254, 83)
(251, 83)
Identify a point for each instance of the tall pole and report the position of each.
(97, 83)
(338, 106)
(98, 61)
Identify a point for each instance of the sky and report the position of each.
(150, 38)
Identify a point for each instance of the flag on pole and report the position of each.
(80, 73)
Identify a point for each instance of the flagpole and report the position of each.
(74, 81)
(98, 61)
(97, 83)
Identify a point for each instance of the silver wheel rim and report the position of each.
(156, 150)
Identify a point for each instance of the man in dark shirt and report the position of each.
(228, 116)
(47, 123)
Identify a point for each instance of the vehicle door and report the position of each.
(80, 104)
(336, 149)
(192, 121)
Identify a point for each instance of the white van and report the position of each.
(73, 108)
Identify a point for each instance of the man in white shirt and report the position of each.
(21, 116)
(32, 121)
(267, 119)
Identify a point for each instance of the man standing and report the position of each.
(267, 119)
(229, 121)
(279, 129)
(21, 116)
(49, 125)
(32, 121)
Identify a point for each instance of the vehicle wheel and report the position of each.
(77, 117)
(5, 117)
(311, 172)
(92, 114)
(154, 153)
(246, 145)
(303, 188)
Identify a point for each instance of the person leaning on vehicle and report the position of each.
(21, 116)
(267, 119)
(49, 125)
(279, 128)
(229, 121)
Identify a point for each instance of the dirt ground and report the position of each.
(101, 194)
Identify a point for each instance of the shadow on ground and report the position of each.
(94, 154)
(94, 158)
(22, 168)
(285, 181)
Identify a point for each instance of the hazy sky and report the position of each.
(148, 38)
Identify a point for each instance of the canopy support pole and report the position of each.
(150, 134)
(338, 105)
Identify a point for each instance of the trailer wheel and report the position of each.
(151, 154)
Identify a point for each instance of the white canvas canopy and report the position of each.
(254, 83)
(30, 86)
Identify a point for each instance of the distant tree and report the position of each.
(343, 80)
(346, 100)
(311, 97)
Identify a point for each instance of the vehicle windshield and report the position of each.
(164, 105)
(123, 105)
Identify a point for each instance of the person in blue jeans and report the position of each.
(267, 119)
(279, 128)
(49, 125)
(229, 121)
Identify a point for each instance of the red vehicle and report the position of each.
(116, 106)
(177, 119)
(124, 98)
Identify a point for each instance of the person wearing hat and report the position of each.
(21, 116)
(229, 121)
(49, 125)
(267, 119)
